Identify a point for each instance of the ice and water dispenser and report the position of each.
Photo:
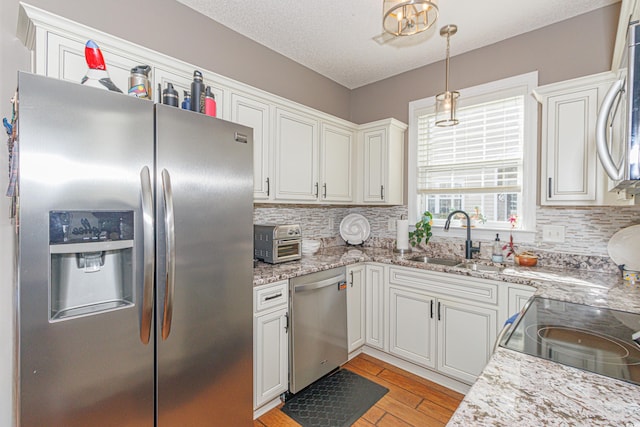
(91, 262)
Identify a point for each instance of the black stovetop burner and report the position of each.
(600, 340)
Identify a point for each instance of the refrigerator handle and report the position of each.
(171, 253)
(149, 255)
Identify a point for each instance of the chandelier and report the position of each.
(406, 18)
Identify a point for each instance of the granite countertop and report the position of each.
(515, 388)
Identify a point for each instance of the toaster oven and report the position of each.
(274, 243)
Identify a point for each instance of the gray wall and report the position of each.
(572, 48)
(577, 47)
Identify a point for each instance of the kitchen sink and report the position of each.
(440, 261)
(476, 266)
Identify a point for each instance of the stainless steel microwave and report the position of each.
(618, 124)
(274, 243)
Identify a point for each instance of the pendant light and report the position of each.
(447, 101)
(408, 17)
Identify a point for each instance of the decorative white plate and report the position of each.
(624, 247)
(355, 229)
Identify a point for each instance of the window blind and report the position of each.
(482, 154)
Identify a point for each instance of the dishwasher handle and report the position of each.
(320, 284)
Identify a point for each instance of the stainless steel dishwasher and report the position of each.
(318, 303)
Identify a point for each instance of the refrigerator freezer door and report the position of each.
(205, 316)
(81, 153)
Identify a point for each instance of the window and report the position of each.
(486, 165)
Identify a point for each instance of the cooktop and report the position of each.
(600, 340)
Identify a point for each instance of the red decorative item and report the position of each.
(93, 56)
(97, 75)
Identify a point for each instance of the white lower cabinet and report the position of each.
(412, 327)
(374, 306)
(466, 334)
(518, 295)
(355, 306)
(270, 342)
(442, 321)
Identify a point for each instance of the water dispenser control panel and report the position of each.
(88, 226)
(92, 262)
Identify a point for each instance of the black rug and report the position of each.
(334, 401)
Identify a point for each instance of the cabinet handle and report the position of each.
(382, 192)
(269, 298)
(550, 186)
(286, 322)
(431, 316)
(268, 187)
(439, 316)
(351, 280)
(324, 190)
(316, 189)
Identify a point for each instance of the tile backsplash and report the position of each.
(587, 232)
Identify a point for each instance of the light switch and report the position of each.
(553, 233)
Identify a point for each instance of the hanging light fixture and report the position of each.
(408, 17)
(446, 101)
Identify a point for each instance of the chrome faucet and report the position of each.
(469, 249)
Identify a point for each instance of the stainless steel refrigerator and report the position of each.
(134, 262)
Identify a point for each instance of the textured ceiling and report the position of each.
(342, 39)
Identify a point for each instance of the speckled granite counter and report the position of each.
(520, 390)
(517, 389)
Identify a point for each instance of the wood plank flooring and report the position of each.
(411, 400)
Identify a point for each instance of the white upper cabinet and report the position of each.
(181, 82)
(65, 60)
(301, 155)
(381, 162)
(571, 173)
(256, 114)
(296, 156)
(336, 160)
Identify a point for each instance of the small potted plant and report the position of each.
(525, 258)
(477, 217)
(422, 231)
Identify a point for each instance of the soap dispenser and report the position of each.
(496, 253)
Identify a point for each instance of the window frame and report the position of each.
(524, 84)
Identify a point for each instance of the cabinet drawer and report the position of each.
(451, 285)
(270, 296)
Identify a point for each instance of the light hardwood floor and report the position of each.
(411, 400)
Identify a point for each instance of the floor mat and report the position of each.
(334, 401)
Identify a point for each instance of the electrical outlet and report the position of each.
(391, 226)
(553, 233)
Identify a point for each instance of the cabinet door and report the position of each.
(412, 326)
(570, 147)
(355, 307)
(255, 114)
(518, 297)
(375, 161)
(65, 60)
(336, 154)
(182, 84)
(374, 306)
(296, 151)
(466, 334)
(271, 356)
